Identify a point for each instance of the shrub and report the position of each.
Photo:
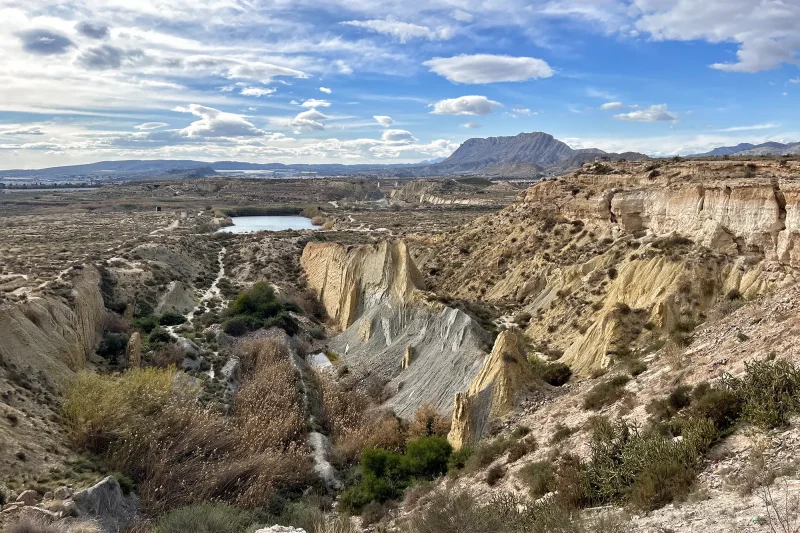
(204, 518)
(495, 474)
(606, 393)
(159, 336)
(459, 512)
(385, 474)
(112, 346)
(521, 448)
(146, 323)
(170, 318)
(458, 459)
(284, 321)
(236, 326)
(556, 374)
(769, 392)
(539, 477)
(721, 406)
(561, 433)
(486, 452)
(428, 422)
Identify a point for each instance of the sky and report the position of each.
(388, 81)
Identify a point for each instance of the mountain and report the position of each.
(748, 149)
(528, 152)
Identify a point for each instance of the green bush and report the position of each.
(556, 374)
(458, 459)
(146, 323)
(259, 307)
(125, 483)
(236, 326)
(112, 346)
(769, 392)
(283, 321)
(204, 518)
(606, 393)
(385, 474)
(159, 336)
(171, 318)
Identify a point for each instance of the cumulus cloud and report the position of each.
(402, 31)
(487, 68)
(398, 136)
(471, 125)
(308, 121)
(313, 102)
(106, 56)
(44, 42)
(93, 30)
(461, 16)
(654, 113)
(611, 106)
(766, 31)
(325, 90)
(465, 105)
(383, 120)
(216, 123)
(257, 91)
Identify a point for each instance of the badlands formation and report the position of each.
(624, 323)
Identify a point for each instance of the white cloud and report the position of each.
(263, 72)
(23, 130)
(794, 80)
(750, 128)
(654, 113)
(398, 136)
(465, 105)
(257, 91)
(486, 68)
(325, 90)
(383, 120)
(520, 110)
(308, 121)
(313, 102)
(471, 125)
(765, 30)
(461, 16)
(611, 106)
(402, 31)
(598, 93)
(216, 123)
(151, 126)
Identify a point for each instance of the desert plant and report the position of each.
(539, 476)
(204, 518)
(171, 318)
(606, 393)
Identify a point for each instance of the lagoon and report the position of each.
(267, 223)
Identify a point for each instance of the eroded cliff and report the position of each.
(392, 330)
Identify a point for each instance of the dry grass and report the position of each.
(144, 425)
(29, 524)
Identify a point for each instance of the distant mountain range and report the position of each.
(526, 154)
(747, 149)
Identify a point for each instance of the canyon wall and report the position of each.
(46, 335)
(392, 330)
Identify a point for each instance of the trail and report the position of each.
(318, 442)
(212, 292)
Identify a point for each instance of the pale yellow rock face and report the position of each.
(349, 281)
(133, 352)
(494, 392)
(46, 335)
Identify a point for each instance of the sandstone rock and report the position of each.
(280, 529)
(374, 293)
(133, 353)
(501, 384)
(63, 493)
(43, 334)
(28, 497)
(106, 503)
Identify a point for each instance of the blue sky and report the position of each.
(390, 81)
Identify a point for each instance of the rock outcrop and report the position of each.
(133, 352)
(50, 335)
(503, 381)
(374, 294)
(178, 299)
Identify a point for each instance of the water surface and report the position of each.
(268, 223)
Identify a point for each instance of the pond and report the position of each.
(268, 223)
